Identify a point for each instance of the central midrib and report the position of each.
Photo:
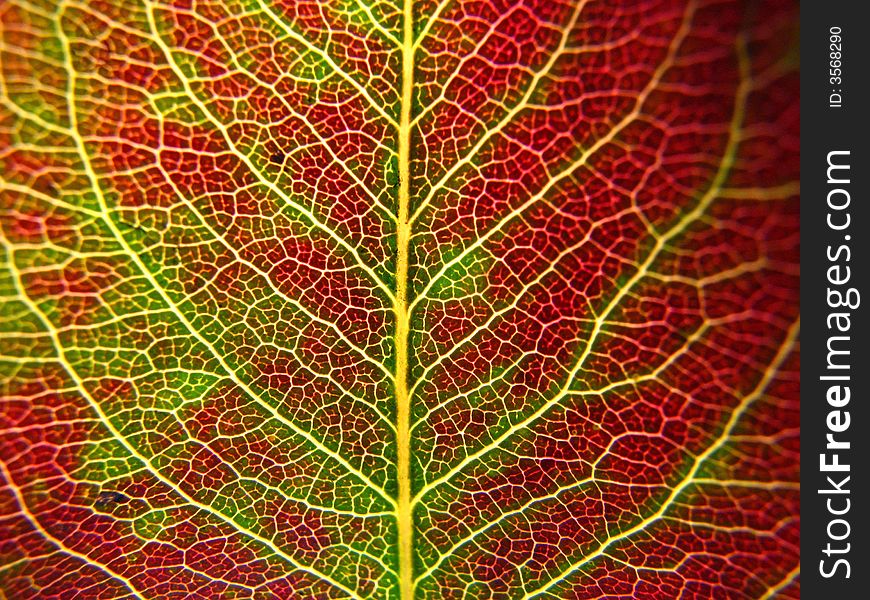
(403, 401)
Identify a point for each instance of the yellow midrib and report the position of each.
(403, 233)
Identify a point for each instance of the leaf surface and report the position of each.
(388, 300)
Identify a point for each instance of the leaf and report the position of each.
(373, 300)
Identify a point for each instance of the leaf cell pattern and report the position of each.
(399, 299)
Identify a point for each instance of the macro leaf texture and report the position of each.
(411, 299)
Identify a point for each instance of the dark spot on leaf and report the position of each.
(107, 499)
(278, 158)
